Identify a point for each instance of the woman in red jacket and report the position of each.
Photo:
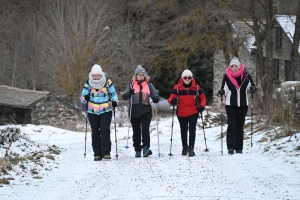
(184, 95)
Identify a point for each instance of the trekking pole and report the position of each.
(100, 141)
(251, 118)
(129, 122)
(159, 154)
(221, 123)
(86, 119)
(170, 154)
(116, 133)
(205, 150)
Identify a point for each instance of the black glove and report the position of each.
(220, 93)
(131, 91)
(87, 97)
(155, 100)
(252, 89)
(114, 104)
(201, 109)
(174, 101)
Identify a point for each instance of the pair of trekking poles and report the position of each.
(159, 154)
(114, 111)
(170, 154)
(222, 121)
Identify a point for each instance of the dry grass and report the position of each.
(277, 114)
(4, 181)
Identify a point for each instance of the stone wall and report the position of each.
(12, 115)
(290, 92)
(54, 112)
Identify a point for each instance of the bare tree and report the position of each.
(75, 34)
(19, 43)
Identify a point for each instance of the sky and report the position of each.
(267, 170)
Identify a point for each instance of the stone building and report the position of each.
(19, 106)
(282, 34)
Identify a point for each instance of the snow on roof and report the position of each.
(243, 30)
(12, 96)
(287, 23)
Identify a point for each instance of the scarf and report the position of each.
(97, 84)
(187, 85)
(232, 75)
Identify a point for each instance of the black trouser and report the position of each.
(188, 123)
(136, 123)
(235, 130)
(100, 125)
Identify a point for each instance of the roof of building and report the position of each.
(23, 98)
(16, 97)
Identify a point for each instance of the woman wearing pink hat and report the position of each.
(234, 87)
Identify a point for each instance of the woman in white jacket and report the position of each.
(234, 87)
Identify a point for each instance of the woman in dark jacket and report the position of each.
(234, 87)
(138, 92)
(185, 92)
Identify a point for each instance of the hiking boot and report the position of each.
(239, 151)
(230, 151)
(146, 151)
(184, 151)
(106, 157)
(97, 158)
(138, 154)
(191, 152)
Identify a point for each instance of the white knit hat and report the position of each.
(186, 73)
(96, 69)
(235, 61)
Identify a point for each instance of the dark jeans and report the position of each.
(141, 125)
(235, 130)
(188, 123)
(100, 125)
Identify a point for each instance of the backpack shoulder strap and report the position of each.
(106, 84)
(150, 87)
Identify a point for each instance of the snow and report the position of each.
(267, 170)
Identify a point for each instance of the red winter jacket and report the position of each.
(187, 105)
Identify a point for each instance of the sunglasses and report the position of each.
(187, 78)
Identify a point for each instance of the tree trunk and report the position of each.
(267, 85)
(292, 76)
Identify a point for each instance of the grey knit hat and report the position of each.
(139, 69)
